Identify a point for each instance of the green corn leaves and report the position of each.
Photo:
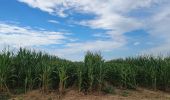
(28, 69)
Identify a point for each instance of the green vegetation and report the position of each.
(27, 70)
(125, 93)
(109, 90)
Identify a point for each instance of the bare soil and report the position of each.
(71, 94)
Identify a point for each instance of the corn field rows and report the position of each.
(28, 70)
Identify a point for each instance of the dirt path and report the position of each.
(140, 94)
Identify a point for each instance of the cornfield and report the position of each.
(28, 70)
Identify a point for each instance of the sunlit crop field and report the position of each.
(28, 70)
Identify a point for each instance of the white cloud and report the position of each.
(162, 49)
(112, 15)
(17, 36)
(136, 43)
(53, 21)
(48, 6)
(75, 51)
(59, 6)
(94, 46)
(158, 27)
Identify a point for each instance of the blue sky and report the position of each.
(69, 28)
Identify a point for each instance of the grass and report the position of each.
(29, 70)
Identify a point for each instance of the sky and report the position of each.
(70, 28)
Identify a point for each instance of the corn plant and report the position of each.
(25, 68)
(62, 72)
(45, 70)
(28, 69)
(95, 71)
(164, 76)
(79, 74)
(99, 70)
(5, 70)
(89, 65)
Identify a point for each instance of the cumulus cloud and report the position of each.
(112, 16)
(157, 26)
(59, 6)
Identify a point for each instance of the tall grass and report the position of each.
(28, 70)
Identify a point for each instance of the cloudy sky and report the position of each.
(69, 28)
